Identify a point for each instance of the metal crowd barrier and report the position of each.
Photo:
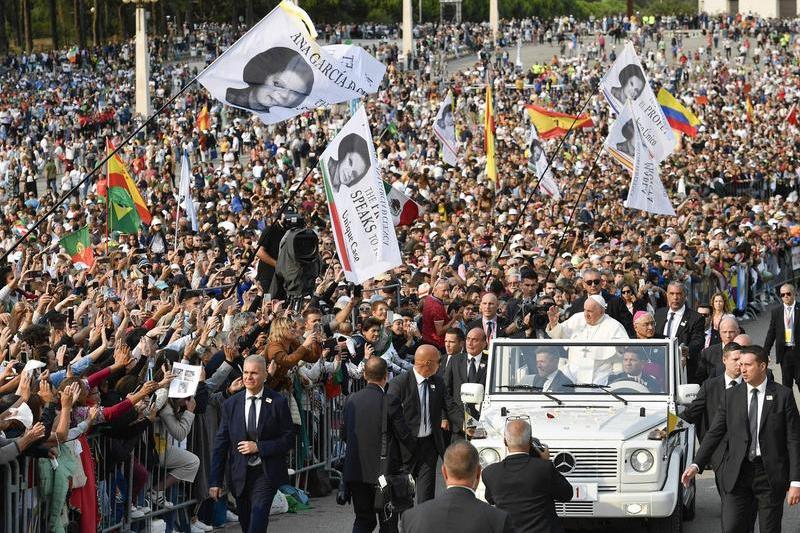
(129, 471)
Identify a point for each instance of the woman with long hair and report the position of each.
(719, 308)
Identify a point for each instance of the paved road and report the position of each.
(326, 516)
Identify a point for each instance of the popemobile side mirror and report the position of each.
(687, 392)
(472, 393)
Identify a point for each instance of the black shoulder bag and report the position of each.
(395, 492)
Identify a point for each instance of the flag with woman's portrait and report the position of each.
(626, 80)
(361, 219)
(444, 127)
(277, 70)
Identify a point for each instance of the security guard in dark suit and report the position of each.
(362, 433)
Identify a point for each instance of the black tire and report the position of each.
(670, 524)
(688, 510)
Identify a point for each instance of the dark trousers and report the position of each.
(424, 469)
(790, 367)
(363, 498)
(751, 494)
(254, 504)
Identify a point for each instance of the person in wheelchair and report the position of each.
(633, 370)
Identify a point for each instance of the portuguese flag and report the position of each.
(120, 178)
(79, 247)
(404, 209)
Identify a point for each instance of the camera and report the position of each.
(293, 220)
(537, 447)
(539, 316)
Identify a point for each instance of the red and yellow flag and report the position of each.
(550, 124)
(118, 176)
(203, 120)
(488, 135)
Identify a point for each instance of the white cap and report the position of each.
(599, 299)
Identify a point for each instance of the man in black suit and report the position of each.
(784, 333)
(703, 409)
(615, 307)
(761, 462)
(633, 370)
(257, 425)
(678, 321)
(424, 397)
(469, 367)
(548, 377)
(363, 418)
(526, 484)
(457, 509)
(453, 345)
(492, 324)
(710, 363)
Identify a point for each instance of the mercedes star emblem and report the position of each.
(564, 462)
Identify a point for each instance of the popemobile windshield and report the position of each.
(607, 412)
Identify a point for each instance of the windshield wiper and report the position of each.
(604, 388)
(522, 386)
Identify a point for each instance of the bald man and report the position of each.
(469, 367)
(492, 324)
(424, 397)
(784, 334)
(526, 484)
(710, 363)
(457, 509)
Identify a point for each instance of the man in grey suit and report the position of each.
(457, 509)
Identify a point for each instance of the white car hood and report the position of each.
(613, 421)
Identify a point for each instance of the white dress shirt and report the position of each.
(676, 321)
(728, 380)
(548, 381)
(424, 410)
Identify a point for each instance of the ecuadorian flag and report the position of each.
(678, 116)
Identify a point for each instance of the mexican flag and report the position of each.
(404, 209)
(79, 247)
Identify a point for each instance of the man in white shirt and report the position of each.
(761, 462)
(588, 364)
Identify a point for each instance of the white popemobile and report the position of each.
(615, 438)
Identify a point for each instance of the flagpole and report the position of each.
(105, 160)
(547, 168)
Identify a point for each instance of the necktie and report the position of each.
(489, 330)
(251, 418)
(732, 383)
(472, 375)
(424, 414)
(752, 416)
(669, 325)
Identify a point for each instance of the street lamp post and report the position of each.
(142, 58)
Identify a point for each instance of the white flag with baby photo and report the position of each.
(277, 70)
(626, 80)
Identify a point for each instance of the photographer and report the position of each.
(526, 484)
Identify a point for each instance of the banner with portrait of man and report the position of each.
(537, 161)
(646, 192)
(362, 223)
(626, 80)
(444, 127)
(277, 70)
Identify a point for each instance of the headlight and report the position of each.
(642, 460)
(488, 456)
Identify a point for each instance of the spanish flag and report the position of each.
(552, 124)
(488, 135)
(119, 177)
(679, 117)
(203, 120)
(749, 110)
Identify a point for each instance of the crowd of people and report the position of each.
(108, 336)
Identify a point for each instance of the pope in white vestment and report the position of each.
(589, 364)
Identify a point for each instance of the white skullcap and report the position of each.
(599, 299)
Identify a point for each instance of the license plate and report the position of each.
(584, 492)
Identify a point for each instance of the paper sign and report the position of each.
(23, 414)
(32, 365)
(186, 380)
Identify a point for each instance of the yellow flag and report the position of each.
(672, 420)
(488, 135)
